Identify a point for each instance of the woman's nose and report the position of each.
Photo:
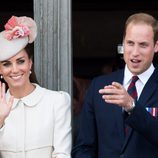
(14, 68)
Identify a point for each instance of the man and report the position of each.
(115, 124)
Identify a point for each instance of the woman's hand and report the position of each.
(5, 107)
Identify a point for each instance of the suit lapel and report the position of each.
(151, 85)
(127, 137)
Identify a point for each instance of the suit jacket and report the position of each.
(101, 133)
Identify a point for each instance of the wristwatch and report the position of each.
(131, 108)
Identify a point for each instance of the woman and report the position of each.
(35, 122)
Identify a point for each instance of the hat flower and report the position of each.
(18, 27)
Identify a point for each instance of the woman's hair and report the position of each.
(29, 50)
(143, 18)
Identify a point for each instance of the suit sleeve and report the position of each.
(144, 123)
(86, 142)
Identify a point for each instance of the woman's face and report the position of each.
(16, 70)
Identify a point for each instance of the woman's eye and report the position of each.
(21, 61)
(6, 64)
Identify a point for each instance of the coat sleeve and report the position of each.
(85, 146)
(62, 126)
(144, 123)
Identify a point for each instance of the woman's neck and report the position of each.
(22, 91)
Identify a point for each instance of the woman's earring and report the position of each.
(30, 72)
(1, 76)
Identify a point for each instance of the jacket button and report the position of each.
(122, 156)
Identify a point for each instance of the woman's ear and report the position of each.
(31, 64)
(0, 73)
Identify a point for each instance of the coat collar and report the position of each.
(143, 77)
(30, 100)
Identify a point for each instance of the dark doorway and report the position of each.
(97, 28)
(15, 7)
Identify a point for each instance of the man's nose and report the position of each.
(135, 50)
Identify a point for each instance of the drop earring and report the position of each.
(1, 76)
(30, 72)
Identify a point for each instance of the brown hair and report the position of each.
(145, 19)
(29, 50)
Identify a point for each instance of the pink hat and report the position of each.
(19, 31)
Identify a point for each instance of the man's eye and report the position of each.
(130, 43)
(143, 45)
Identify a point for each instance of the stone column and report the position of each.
(52, 56)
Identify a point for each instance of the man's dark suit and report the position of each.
(101, 132)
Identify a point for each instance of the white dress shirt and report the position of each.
(143, 78)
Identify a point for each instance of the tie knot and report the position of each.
(134, 79)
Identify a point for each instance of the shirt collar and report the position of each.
(30, 100)
(143, 77)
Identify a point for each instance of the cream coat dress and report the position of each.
(38, 126)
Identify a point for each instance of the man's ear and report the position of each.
(156, 47)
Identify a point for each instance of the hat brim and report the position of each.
(9, 48)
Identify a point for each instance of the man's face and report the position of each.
(139, 47)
